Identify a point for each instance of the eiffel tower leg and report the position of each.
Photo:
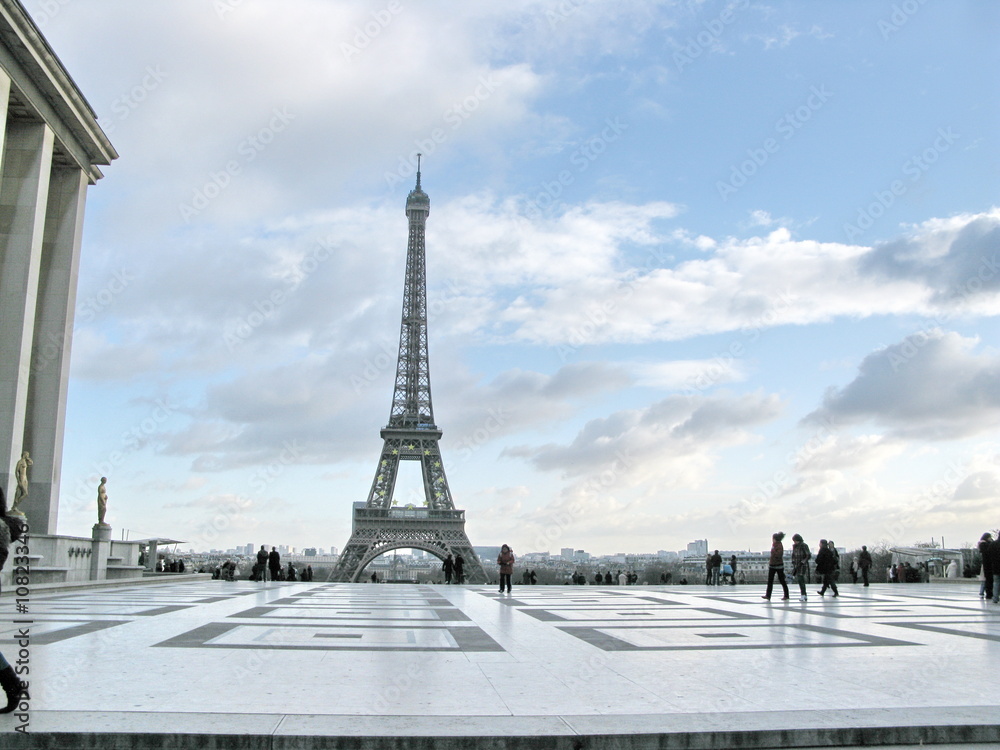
(379, 531)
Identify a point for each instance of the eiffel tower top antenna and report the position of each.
(418, 170)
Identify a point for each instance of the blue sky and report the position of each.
(696, 270)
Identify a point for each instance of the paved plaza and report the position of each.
(210, 663)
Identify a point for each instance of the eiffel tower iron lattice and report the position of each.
(410, 435)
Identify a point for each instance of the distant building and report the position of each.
(697, 548)
(488, 554)
(566, 553)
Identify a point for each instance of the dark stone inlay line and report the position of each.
(451, 614)
(338, 635)
(946, 631)
(163, 610)
(544, 614)
(43, 639)
(607, 642)
(722, 635)
(950, 611)
(667, 602)
(467, 639)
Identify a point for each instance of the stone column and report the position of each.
(24, 187)
(46, 410)
(100, 547)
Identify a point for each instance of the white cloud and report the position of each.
(929, 386)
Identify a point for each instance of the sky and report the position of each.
(696, 270)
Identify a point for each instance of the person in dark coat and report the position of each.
(993, 555)
(274, 563)
(715, 569)
(776, 565)
(865, 563)
(825, 567)
(12, 686)
(986, 588)
(261, 569)
(459, 569)
(448, 566)
(800, 563)
(836, 559)
(506, 562)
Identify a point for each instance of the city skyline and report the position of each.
(694, 269)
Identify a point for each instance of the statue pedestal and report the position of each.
(100, 551)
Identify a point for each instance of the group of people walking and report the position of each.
(826, 566)
(718, 573)
(454, 567)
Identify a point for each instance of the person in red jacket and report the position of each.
(506, 562)
(776, 565)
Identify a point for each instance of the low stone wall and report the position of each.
(70, 559)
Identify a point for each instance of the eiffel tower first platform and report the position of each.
(411, 435)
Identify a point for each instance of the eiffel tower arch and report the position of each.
(411, 435)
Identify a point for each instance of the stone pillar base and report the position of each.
(102, 532)
(100, 551)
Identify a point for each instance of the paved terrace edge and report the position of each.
(118, 730)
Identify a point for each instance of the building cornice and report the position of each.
(39, 76)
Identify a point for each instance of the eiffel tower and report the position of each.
(411, 435)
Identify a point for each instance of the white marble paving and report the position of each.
(335, 650)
